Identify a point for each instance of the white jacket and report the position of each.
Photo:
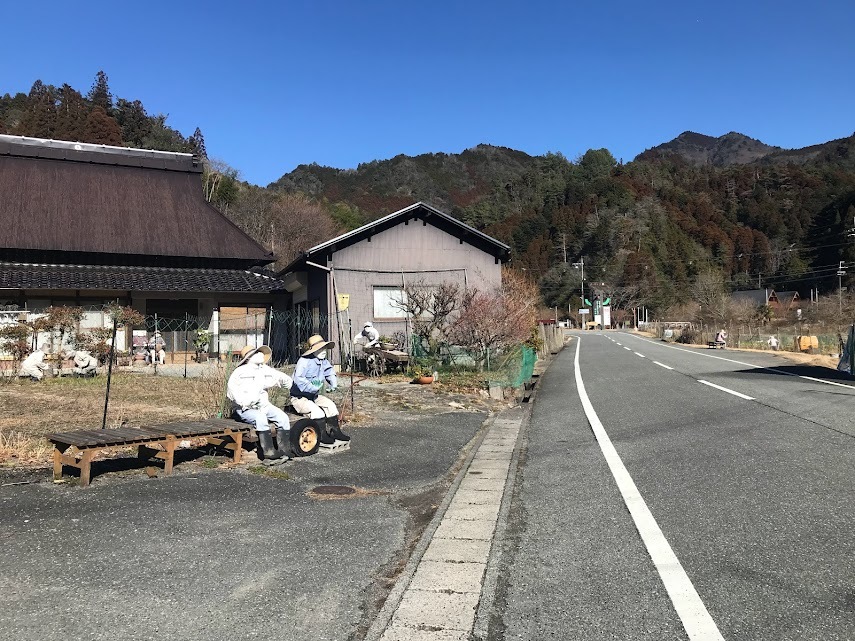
(33, 364)
(247, 387)
(84, 361)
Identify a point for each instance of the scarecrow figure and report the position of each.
(369, 336)
(247, 389)
(312, 371)
(84, 363)
(34, 365)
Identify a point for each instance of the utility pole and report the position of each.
(841, 272)
(581, 265)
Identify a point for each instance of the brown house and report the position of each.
(84, 224)
(372, 265)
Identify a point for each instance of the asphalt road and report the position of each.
(218, 554)
(754, 496)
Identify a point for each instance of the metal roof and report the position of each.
(454, 226)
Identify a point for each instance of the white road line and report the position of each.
(751, 365)
(729, 391)
(627, 348)
(697, 621)
(663, 365)
(642, 355)
(616, 343)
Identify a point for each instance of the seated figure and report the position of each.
(312, 371)
(247, 389)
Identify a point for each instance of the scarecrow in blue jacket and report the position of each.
(312, 371)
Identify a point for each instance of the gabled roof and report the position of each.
(419, 210)
(77, 197)
(786, 296)
(756, 296)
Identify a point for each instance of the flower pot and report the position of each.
(424, 380)
(202, 357)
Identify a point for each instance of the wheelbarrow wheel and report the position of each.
(305, 437)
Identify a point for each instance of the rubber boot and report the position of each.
(326, 437)
(265, 440)
(335, 430)
(283, 444)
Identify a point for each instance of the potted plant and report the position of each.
(201, 341)
(386, 343)
(423, 375)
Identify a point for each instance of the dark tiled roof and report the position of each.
(756, 296)
(147, 279)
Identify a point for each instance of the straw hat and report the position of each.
(247, 352)
(316, 343)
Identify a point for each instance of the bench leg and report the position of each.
(170, 456)
(86, 466)
(238, 439)
(57, 464)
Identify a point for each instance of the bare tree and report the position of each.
(429, 309)
(708, 291)
(490, 320)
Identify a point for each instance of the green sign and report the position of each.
(587, 302)
(607, 301)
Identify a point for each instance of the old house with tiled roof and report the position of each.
(84, 224)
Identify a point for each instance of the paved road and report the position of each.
(207, 555)
(748, 486)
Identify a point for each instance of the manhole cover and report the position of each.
(335, 490)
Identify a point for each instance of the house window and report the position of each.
(387, 302)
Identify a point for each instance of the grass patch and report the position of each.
(30, 410)
(260, 470)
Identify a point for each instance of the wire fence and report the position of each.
(187, 340)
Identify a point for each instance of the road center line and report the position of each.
(642, 355)
(627, 348)
(729, 391)
(751, 365)
(662, 365)
(697, 621)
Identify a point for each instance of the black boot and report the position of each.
(283, 444)
(265, 440)
(326, 437)
(335, 430)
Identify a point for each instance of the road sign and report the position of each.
(607, 301)
(584, 311)
(587, 302)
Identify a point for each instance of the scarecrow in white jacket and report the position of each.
(247, 389)
(34, 365)
(84, 363)
(312, 371)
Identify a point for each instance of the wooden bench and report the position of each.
(714, 345)
(157, 441)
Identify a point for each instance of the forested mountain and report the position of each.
(697, 149)
(747, 212)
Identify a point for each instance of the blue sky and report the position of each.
(276, 84)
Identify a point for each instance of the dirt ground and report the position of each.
(30, 410)
(817, 360)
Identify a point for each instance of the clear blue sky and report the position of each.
(277, 84)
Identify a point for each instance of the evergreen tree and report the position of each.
(39, 119)
(99, 95)
(133, 120)
(197, 141)
(102, 129)
(71, 114)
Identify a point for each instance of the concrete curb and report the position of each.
(489, 587)
(384, 617)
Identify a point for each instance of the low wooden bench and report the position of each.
(156, 441)
(714, 345)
